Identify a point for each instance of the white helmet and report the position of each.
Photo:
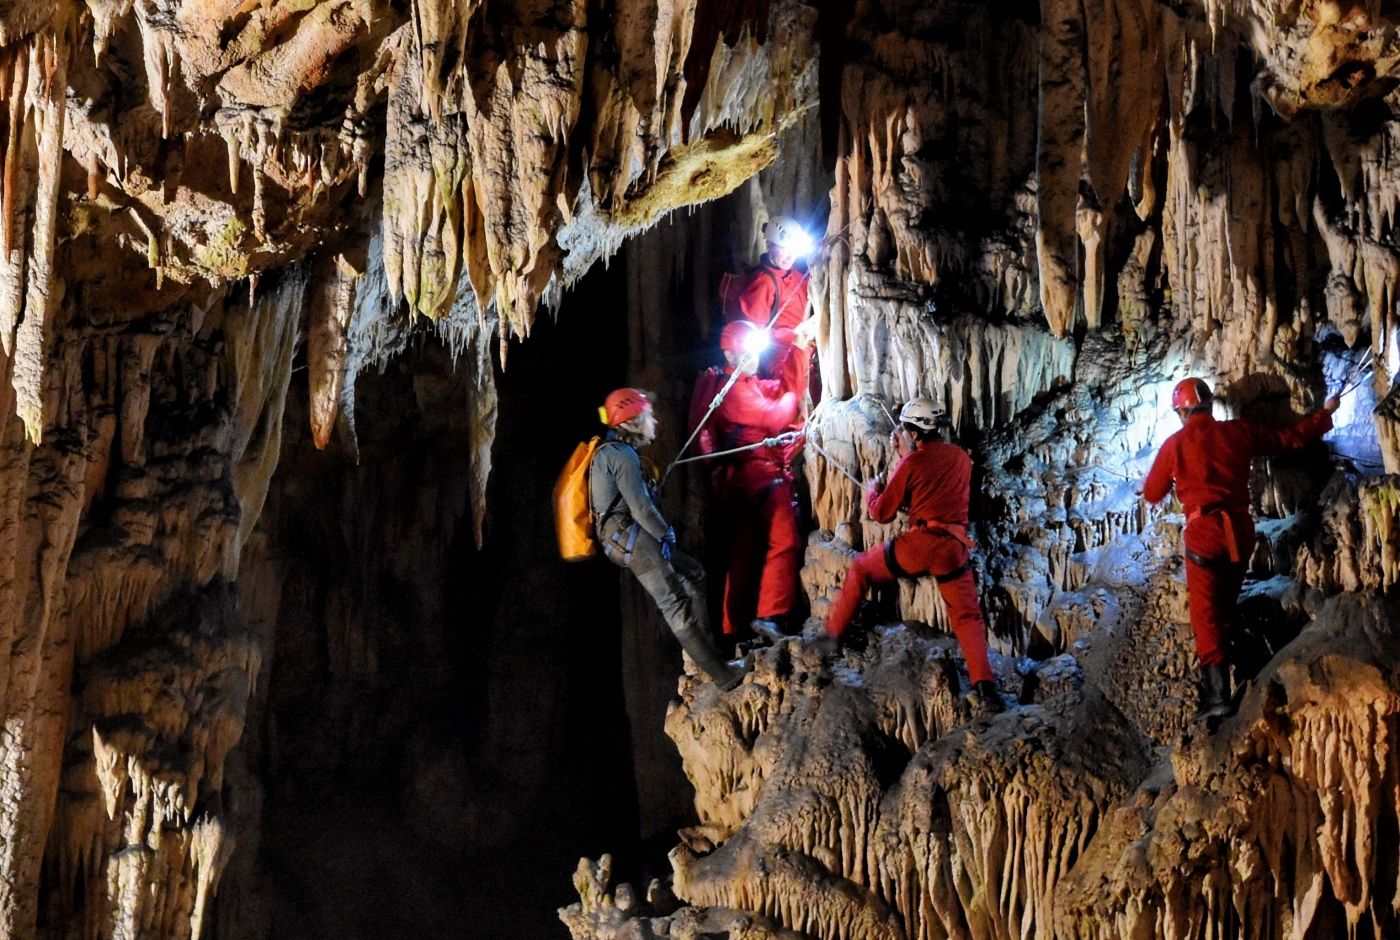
(921, 413)
(785, 232)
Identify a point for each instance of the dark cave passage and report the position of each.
(449, 730)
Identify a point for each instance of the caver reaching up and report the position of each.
(1208, 463)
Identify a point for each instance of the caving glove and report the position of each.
(668, 543)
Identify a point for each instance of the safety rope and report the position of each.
(836, 464)
(781, 440)
(733, 377)
(1358, 372)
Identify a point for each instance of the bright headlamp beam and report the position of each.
(798, 242)
(755, 342)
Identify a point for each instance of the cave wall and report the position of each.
(1048, 214)
(199, 197)
(1043, 213)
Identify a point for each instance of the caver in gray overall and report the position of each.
(635, 535)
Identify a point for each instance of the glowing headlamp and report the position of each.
(755, 342)
(796, 241)
(789, 235)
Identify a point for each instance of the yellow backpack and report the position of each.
(573, 512)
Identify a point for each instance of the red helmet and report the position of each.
(743, 337)
(1191, 394)
(623, 405)
(731, 338)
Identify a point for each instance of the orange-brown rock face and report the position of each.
(189, 189)
(1044, 216)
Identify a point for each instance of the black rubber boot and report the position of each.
(987, 694)
(1214, 690)
(769, 630)
(734, 672)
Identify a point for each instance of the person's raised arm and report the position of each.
(1267, 442)
(1159, 479)
(884, 503)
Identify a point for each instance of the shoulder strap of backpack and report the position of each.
(599, 520)
(777, 293)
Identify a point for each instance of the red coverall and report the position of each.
(1208, 460)
(756, 489)
(935, 483)
(767, 289)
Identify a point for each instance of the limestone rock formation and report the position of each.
(1043, 214)
(190, 189)
(1046, 218)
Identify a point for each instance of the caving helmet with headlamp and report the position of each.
(786, 233)
(921, 413)
(743, 338)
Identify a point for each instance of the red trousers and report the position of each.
(920, 552)
(1213, 589)
(767, 551)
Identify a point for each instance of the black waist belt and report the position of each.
(1221, 564)
(898, 572)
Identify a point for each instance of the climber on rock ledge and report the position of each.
(773, 294)
(634, 534)
(933, 479)
(1208, 463)
(755, 486)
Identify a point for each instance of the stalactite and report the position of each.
(260, 345)
(1058, 166)
(29, 293)
(331, 307)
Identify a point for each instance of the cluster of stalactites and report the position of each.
(508, 133)
(33, 74)
(1117, 65)
(482, 182)
(1221, 224)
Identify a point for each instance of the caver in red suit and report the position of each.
(755, 487)
(1208, 462)
(761, 292)
(934, 483)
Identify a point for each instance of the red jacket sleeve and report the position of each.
(1266, 442)
(707, 385)
(760, 405)
(756, 298)
(883, 505)
(1159, 478)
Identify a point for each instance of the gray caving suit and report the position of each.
(630, 529)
